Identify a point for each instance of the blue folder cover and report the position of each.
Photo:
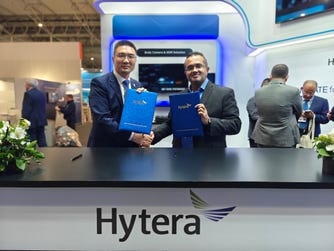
(138, 111)
(185, 118)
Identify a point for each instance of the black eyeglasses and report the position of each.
(123, 56)
(192, 67)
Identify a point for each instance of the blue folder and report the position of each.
(185, 118)
(138, 111)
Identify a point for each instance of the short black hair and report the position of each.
(197, 53)
(126, 43)
(280, 71)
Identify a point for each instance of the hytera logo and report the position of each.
(161, 224)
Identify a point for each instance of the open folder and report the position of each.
(185, 118)
(138, 111)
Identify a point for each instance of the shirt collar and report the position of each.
(119, 78)
(202, 88)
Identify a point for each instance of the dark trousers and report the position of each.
(71, 124)
(37, 134)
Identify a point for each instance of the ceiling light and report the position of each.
(163, 7)
(40, 25)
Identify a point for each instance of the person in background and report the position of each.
(330, 114)
(106, 100)
(253, 114)
(313, 107)
(279, 107)
(34, 110)
(69, 111)
(218, 108)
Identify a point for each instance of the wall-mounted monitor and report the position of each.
(163, 77)
(287, 10)
(52, 97)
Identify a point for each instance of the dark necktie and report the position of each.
(304, 125)
(126, 85)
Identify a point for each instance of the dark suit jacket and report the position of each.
(105, 100)
(319, 107)
(34, 108)
(223, 111)
(69, 112)
(253, 115)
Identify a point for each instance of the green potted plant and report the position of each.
(16, 149)
(324, 145)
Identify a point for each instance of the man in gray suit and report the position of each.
(279, 107)
(218, 108)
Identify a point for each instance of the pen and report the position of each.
(76, 157)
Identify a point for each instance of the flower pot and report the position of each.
(328, 165)
(11, 168)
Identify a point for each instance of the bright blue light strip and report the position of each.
(165, 26)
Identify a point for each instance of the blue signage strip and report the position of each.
(165, 26)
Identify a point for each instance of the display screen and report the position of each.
(163, 77)
(287, 10)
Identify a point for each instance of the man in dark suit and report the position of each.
(313, 106)
(34, 110)
(218, 108)
(253, 114)
(106, 101)
(69, 111)
(279, 106)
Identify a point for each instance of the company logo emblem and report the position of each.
(211, 214)
(123, 224)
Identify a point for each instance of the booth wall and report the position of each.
(227, 57)
(55, 61)
(251, 28)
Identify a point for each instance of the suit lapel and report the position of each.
(207, 93)
(115, 85)
(134, 84)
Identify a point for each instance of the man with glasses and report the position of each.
(218, 108)
(313, 107)
(106, 101)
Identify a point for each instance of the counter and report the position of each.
(169, 199)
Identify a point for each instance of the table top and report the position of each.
(168, 167)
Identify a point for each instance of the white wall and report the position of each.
(59, 62)
(259, 17)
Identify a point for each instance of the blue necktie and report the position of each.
(304, 125)
(126, 84)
